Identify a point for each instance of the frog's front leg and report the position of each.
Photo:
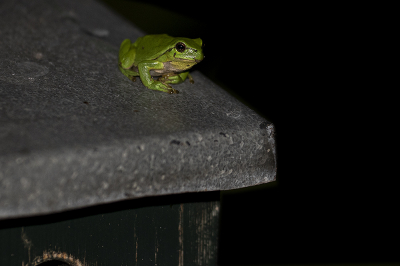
(173, 78)
(144, 71)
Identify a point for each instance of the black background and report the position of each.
(293, 64)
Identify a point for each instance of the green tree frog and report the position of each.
(162, 56)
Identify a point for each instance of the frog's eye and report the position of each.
(180, 47)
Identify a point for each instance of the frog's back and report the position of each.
(150, 47)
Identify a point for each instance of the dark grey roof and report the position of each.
(75, 132)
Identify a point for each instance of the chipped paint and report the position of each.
(136, 241)
(206, 248)
(27, 242)
(180, 229)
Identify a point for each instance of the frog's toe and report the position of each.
(172, 91)
(133, 78)
(170, 78)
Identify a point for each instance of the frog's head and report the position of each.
(187, 49)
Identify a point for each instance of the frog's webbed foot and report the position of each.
(173, 91)
(170, 90)
(160, 86)
(173, 78)
(128, 73)
(169, 78)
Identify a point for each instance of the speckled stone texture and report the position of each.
(75, 132)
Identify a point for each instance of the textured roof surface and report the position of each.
(75, 132)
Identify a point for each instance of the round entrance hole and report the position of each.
(54, 263)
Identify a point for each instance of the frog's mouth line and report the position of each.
(181, 59)
(186, 60)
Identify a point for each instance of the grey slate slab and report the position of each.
(75, 132)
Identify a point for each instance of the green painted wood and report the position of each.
(169, 230)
